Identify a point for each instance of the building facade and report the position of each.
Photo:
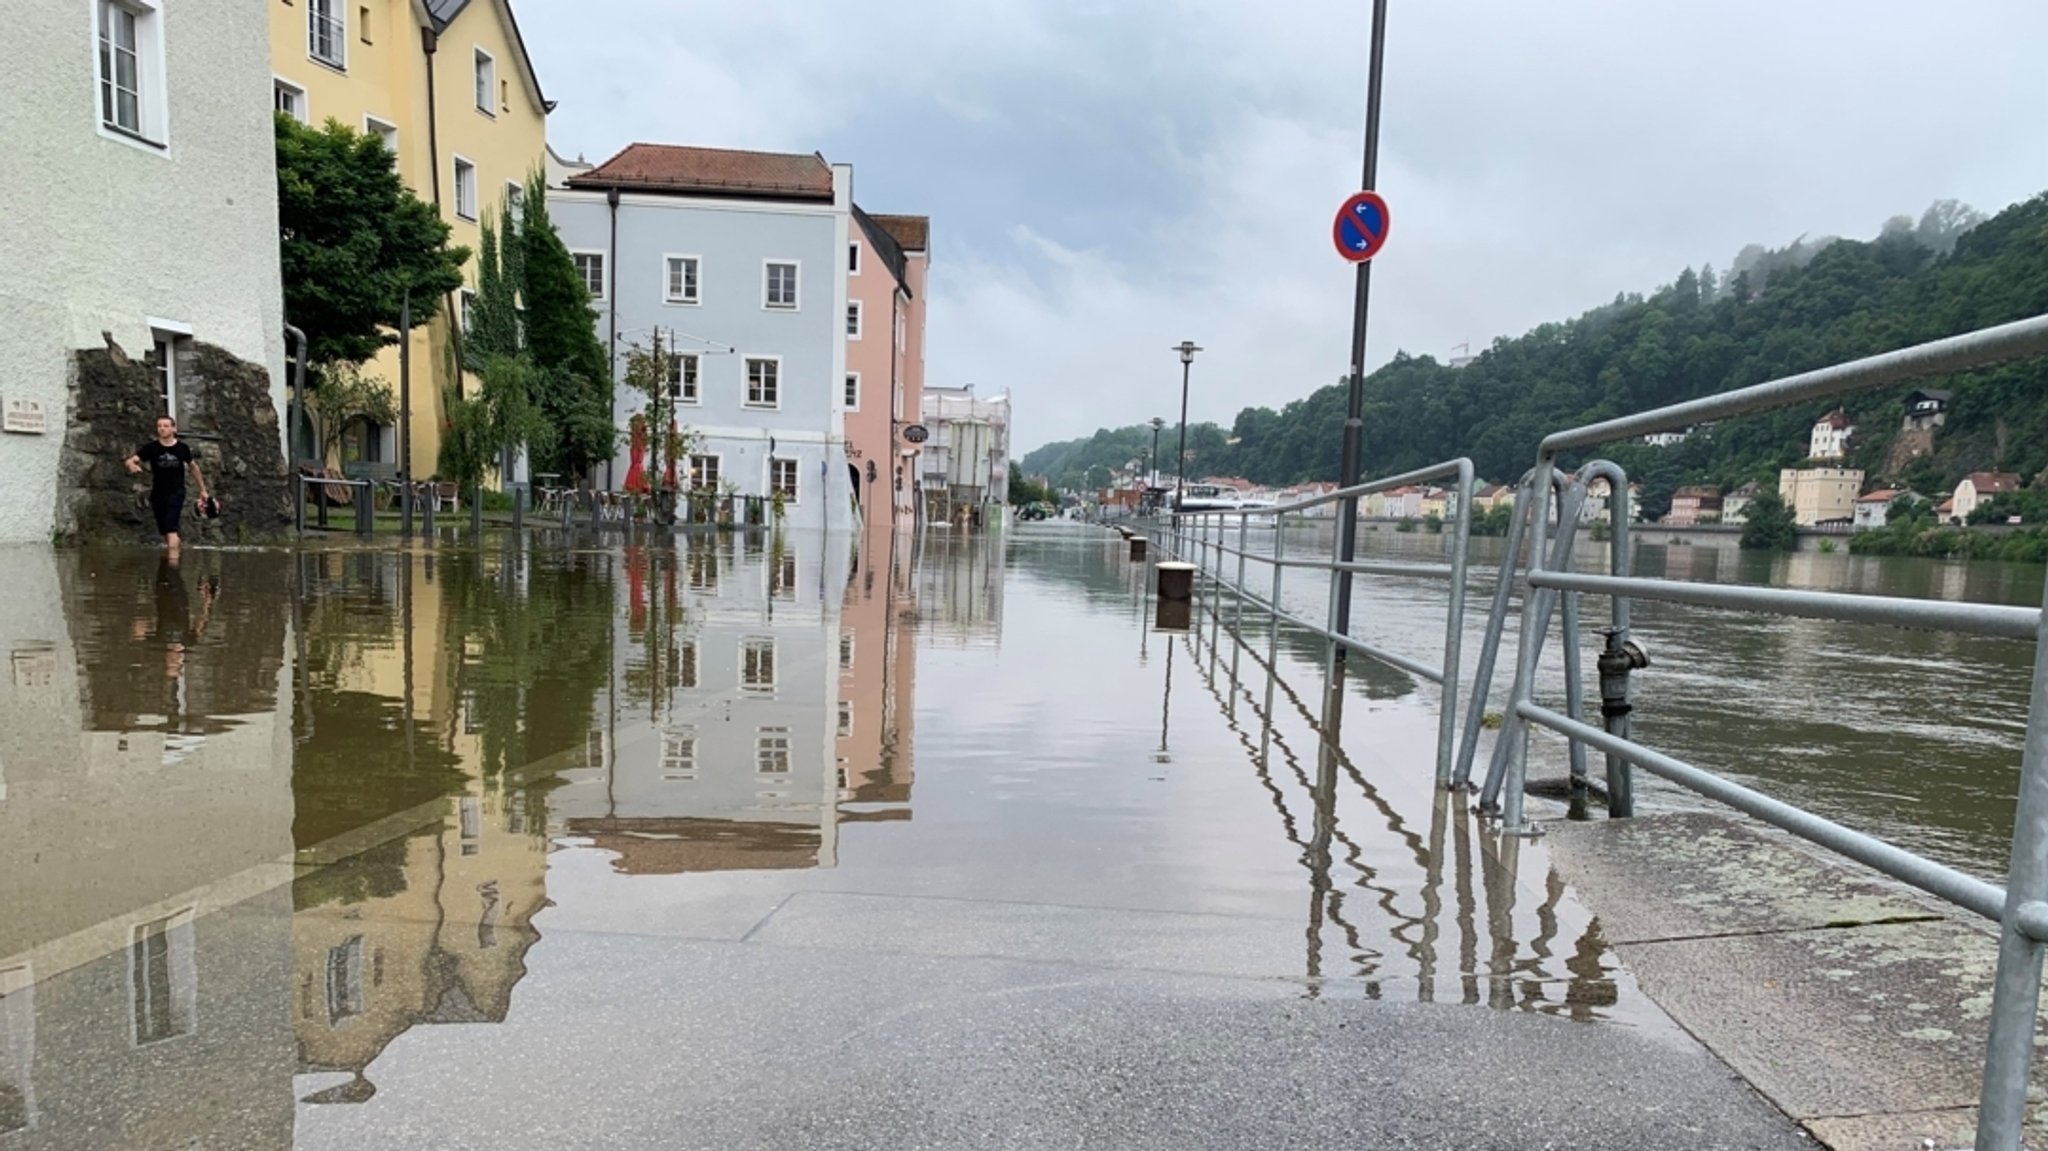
(1978, 488)
(884, 384)
(1873, 509)
(966, 462)
(1830, 438)
(449, 88)
(736, 262)
(1693, 505)
(1820, 495)
(141, 191)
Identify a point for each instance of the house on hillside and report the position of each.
(1694, 504)
(1735, 504)
(1820, 495)
(1927, 409)
(1978, 488)
(1666, 439)
(1873, 509)
(1830, 439)
(1493, 496)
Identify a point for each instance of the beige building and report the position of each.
(1978, 488)
(1820, 495)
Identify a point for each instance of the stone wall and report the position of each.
(225, 412)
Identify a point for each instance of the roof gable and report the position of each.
(886, 246)
(677, 170)
(439, 14)
(914, 233)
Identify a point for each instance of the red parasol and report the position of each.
(636, 472)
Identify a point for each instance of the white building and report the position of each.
(737, 260)
(966, 462)
(140, 198)
(1830, 439)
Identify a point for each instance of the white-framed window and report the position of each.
(593, 747)
(327, 32)
(515, 199)
(782, 577)
(133, 99)
(846, 650)
(702, 568)
(384, 130)
(679, 280)
(465, 189)
(486, 84)
(165, 354)
(468, 311)
(686, 664)
(290, 99)
(679, 754)
(764, 381)
(162, 979)
(590, 265)
(902, 329)
(771, 750)
(779, 285)
(757, 665)
(850, 398)
(682, 377)
(853, 319)
(704, 472)
(845, 718)
(782, 478)
(853, 258)
(345, 981)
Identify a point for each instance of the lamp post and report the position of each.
(1187, 350)
(1152, 461)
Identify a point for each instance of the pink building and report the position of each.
(886, 262)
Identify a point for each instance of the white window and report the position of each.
(131, 70)
(853, 320)
(486, 83)
(686, 669)
(757, 665)
(290, 99)
(162, 979)
(845, 651)
(345, 981)
(465, 189)
(851, 400)
(679, 754)
(167, 374)
(778, 285)
(853, 259)
(764, 382)
(680, 286)
(682, 377)
(384, 130)
(845, 718)
(782, 578)
(782, 478)
(327, 32)
(771, 750)
(468, 311)
(591, 266)
(704, 472)
(515, 199)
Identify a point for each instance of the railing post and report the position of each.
(1575, 697)
(1244, 525)
(366, 510)
(2016, 990)
(427, 513)
(1454, 626)
(476, 513)
(1513, 731)
(518, 507)
(298, 502)
(1489, 648)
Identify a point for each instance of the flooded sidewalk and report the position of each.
(758, 841)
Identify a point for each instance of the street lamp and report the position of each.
(1187, 350)
(1152, 461)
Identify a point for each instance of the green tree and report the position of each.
(500, 417)
(346, 393)
(494, 315)
(352, 239)
(574, 388)
(1768, 523)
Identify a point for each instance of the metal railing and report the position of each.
(2021, 906)
(1201, 538)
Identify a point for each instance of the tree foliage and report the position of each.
(576, 391)
(1768, 523)
(352, 238)
(1025, 491)
(347, 393)
(500, 417)
(1774, 312)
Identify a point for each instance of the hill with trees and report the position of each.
(1775, 312)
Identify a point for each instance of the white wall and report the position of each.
(101, 234)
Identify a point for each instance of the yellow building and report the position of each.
(1820, 495)
(450, 88)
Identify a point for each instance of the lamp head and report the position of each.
(1187, 350)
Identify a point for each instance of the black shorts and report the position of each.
(169, 509)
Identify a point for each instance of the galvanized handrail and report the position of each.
(2021, 906)
(1209, 554)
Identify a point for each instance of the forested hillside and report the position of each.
(1775, 312)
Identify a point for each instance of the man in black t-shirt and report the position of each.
(167, 458)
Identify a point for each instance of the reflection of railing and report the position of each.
(2021, 907)
(1201, 536)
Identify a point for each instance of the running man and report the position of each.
(168, 457)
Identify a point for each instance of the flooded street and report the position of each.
(353, 848)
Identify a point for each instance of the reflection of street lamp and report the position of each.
(1187, 350)
(1152, 462)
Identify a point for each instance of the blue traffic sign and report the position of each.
(1361, 228)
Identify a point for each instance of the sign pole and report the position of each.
(1351, 466)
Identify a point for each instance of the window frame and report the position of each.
(181, 976)
(850, 387)
(514, 198)
(796, 284)
(458, 163)
(772, 745)
(152, 129)
(598, 294)
(679, 754)
(384, 130)
(484, 78)
(717, 470)
(750, 682)
(466, 309)
(856, 320)
(796, 476)
(694, 376)
(338, 16)
(846, 649)
(279, 85)
(747, 400)
(853, 257)
(695, 297)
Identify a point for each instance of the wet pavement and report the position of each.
(746, 842)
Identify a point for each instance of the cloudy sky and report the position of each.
(1110, 177)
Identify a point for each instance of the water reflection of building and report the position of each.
(959, 588)
(877, 666)
(144, 788)
(713, 749)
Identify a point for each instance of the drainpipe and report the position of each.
(295, 404)
(611, 307)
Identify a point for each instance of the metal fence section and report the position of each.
(1206, 539)
(2021, 906)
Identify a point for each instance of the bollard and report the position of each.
(320, 508)
(566, 499)
(1137, 547)
(427, 514)
(594, 517)
(1176, 581)
(405, 509)
(519, 508)
(476, 512)
(365, 514)
(1621, 656)
(299, 504)
(1172, 615)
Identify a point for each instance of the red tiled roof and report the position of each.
(913, 232)
(1837, 419)
(1993, 482)
(711, 171)
(1880, 496)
